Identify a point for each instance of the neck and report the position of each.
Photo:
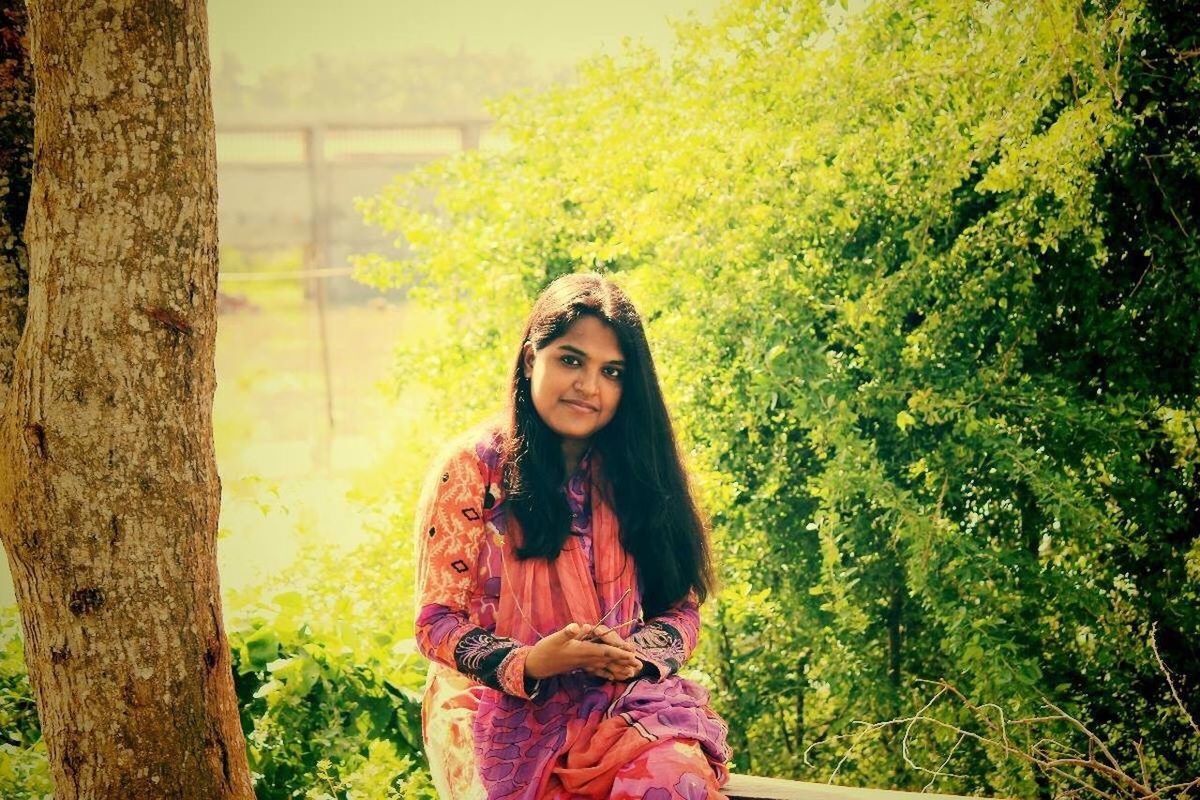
(573, 450)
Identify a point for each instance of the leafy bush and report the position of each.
(321, 722)
(24, 773)
(921, 279)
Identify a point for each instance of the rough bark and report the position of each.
(109, 493)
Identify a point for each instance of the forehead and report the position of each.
(593, 337)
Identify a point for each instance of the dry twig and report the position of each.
(1081, 761)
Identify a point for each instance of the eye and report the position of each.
(616, 373)
(570, 360)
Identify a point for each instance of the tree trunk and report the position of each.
(109, 493)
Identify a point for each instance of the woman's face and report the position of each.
(576, 379)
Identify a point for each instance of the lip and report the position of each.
(582, 406)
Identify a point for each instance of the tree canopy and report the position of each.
(921, 279)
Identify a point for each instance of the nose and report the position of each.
(586, 383)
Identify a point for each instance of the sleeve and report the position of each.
(665, 642)
(450, 535)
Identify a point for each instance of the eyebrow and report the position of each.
(573, 349)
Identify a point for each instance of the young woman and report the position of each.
(562, 563)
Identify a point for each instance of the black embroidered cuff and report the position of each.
(479, 655)
(661, 646)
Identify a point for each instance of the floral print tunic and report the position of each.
(490, 731)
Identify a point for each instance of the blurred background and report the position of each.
(316, 106)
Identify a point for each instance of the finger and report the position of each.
(594, 655)
(606, 661)
(622, 664)
(615, 655)
(620, 654)
(621, 673)
(606, 635)
(616, 640)
(609, 637)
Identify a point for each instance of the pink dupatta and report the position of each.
(540, 596)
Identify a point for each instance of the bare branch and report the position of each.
(1170, 681)
(1031, 740)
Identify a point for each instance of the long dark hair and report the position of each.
(643, 473)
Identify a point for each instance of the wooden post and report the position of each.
(470, 134)
(319, 258)
(318, 204)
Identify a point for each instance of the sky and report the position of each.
(552, 33)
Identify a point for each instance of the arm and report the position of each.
(450, 532)
(665, 642)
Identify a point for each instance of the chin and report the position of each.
(574, 431)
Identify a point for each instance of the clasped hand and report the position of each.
(597, 650)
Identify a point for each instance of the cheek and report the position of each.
(547, 380)
(537, 390)
(546, 384)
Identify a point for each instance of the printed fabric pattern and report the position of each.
(490, 732)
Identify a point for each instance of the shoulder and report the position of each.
(473, 456)
(464, 478)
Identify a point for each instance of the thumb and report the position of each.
(571, 630)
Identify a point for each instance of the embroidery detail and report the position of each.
(511, 674)
(653, 637)
(474, 648)
(479, 654)
(663, 645)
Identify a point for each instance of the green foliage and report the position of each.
(24, 772)
(323, 720)
(921, 281)
(311, 709)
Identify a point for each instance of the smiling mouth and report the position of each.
(581, 405)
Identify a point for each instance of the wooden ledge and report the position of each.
(749, 787)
